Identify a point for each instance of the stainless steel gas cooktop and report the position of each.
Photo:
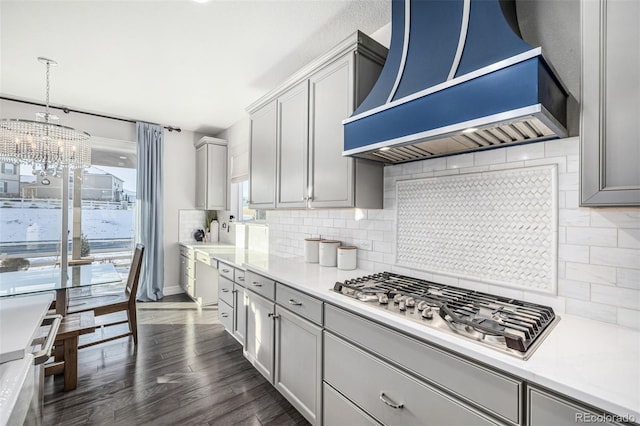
(509, 325)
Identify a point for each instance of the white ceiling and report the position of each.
(180, 63)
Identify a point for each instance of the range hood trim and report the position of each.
(535, 52)
(537, 110)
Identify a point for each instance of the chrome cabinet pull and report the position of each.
(225, 270)
(224, 315)
(224, 290)
(294, 302)
(256, 284)
(384, 398)
(240, 278)
(272, 315)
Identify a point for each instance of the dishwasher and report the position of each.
(206, 285)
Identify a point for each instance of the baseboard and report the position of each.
(171, 290)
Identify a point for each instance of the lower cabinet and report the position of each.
(388, 394)
(298, 368)
(239, 313)
(338, 410)
(545, 408)
(259, 337)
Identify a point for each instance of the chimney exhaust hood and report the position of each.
(458, 77)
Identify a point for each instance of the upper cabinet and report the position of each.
(211, 174)
(610, 135)
(297, 135)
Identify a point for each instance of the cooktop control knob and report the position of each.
(410, 302)
(383, 299)
(397, 298)
(402, 306)
(422, 305)
(427, 313)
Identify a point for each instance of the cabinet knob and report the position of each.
(384, 398)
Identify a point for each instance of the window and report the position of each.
(240, 203)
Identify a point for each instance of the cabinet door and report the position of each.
(201, 177)
(258, 345)
(293, 137)
(239, 313)
(331, 101)
(610, 135)
(298, 371)
(546, 409)
(216, 192)
(183, 272)
(262, 158)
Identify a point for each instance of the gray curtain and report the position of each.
(149, 210)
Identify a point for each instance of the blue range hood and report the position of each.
(458, 77)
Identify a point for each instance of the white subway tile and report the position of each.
(621, 257)
(574, 289)
(449, 172)
(574, 217)
(388, 236)
(556, 303)
(389, 258)
(573, 253)
(562, 235)
(506, 292)
(339, 223)
(375, 214)
(489, 157)
(603, 237)
(629, 318)
(411, 168)
(393, 170)
(434, 164)
(474, 169)
(529, 151)
(323, 213)
(360, 234)
(375, 235)
(590, 273)
(562, 203)
(382, 247)
(558, 147)
(629, 278)
(473, 285)
(627, 217)
(572, 199)
(568, 182)
(596, 311)
(362, 244)
(375, 256)
(460, 161)
(366, 265)
(573, 163)
(507, 166)
(616, 296)
(561, 162)
(629, 238)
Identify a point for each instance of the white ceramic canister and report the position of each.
(328, 255)
(311, 249)
(347, 257)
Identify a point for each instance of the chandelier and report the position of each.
(46, 146)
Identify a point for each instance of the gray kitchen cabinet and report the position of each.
(188, 270)
(388, 394)
(334, 180)
(262, 158)
(239, 323)
(211, 174)
(301, 123)
(259, 336)
(293, 125)
(298, 363)
(610, 136)
(338, 410)
(545, 408)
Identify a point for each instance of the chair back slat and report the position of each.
(134, 273)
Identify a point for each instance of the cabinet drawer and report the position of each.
(388, 394)
(338, 410)
(206, 259)
(547, 409)
(225, 290)
(499, 394)
(225, 315)
(226, 271)
(300, 303)
(239, 277)
(261, 285)
(186, 251)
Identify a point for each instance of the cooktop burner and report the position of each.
(513, 326)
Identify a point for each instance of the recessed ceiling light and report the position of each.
(470, 130)
(385, 148)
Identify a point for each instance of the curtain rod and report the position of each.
(67, 110)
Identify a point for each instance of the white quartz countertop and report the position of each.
(594, 362)
(20, 317)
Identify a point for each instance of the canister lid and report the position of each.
(313, 239)
(329, 241)
(347, 248)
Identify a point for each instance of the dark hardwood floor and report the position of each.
(186, 370)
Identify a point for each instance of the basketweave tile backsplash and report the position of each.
(598, 255)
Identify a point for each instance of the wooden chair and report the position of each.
(109, 304)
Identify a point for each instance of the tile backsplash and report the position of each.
(189, 222)
(598, 248)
